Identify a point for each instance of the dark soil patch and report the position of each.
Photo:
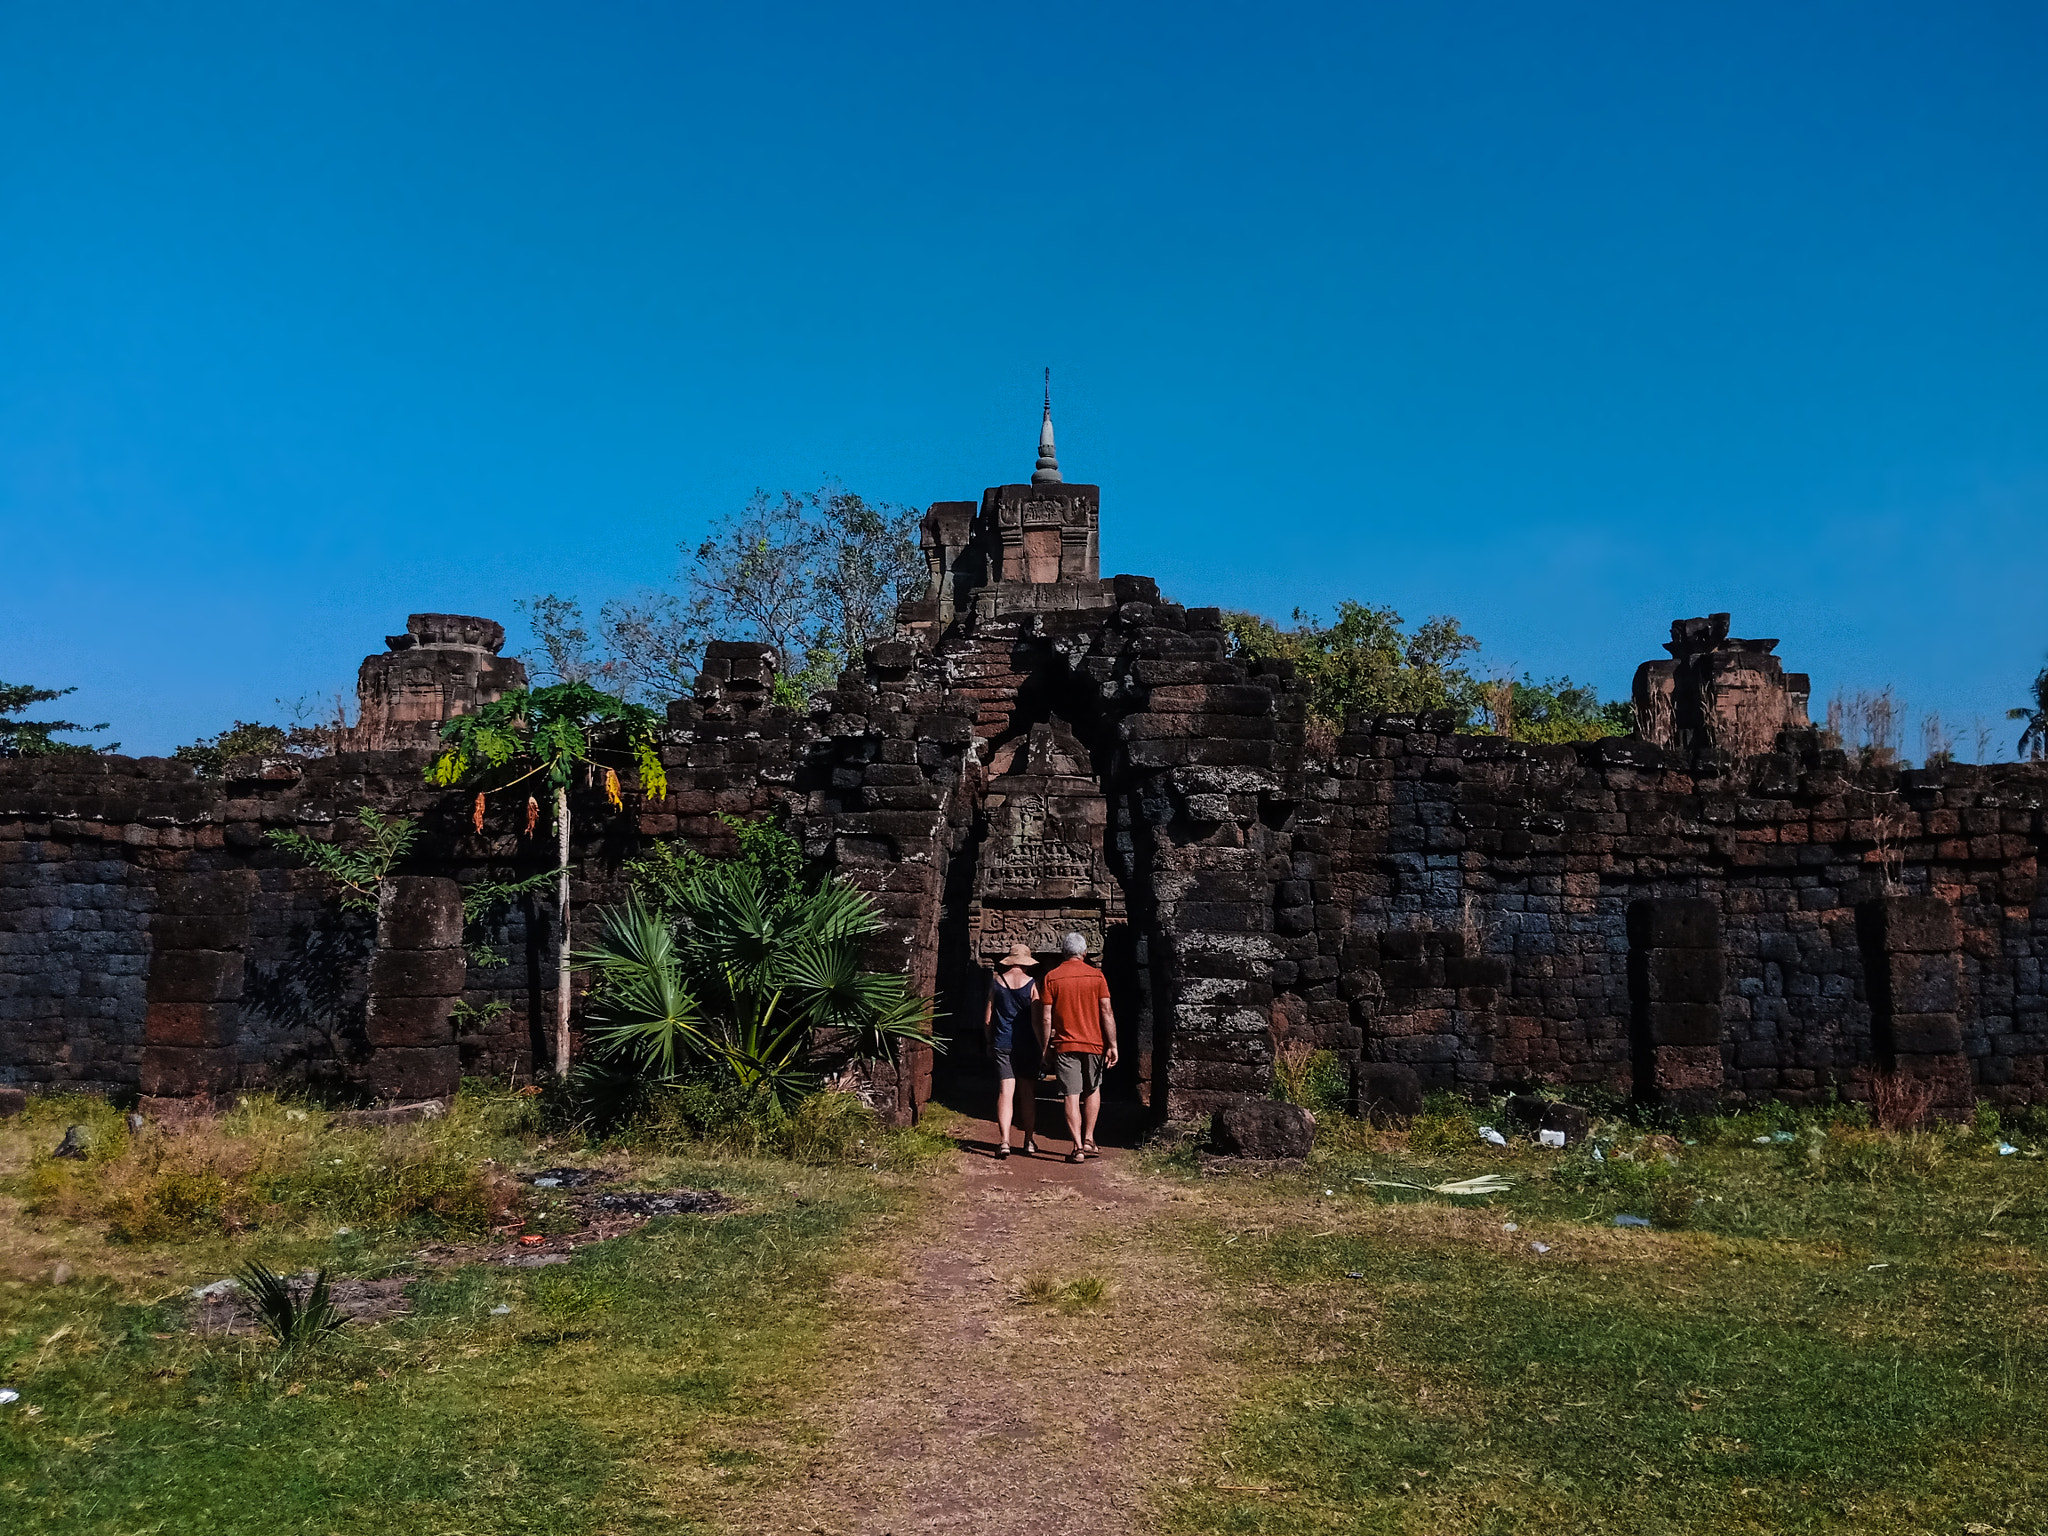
(228, 1313)
(668, 1202)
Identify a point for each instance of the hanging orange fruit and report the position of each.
(532, 814)
(477, 817)
(611, 789)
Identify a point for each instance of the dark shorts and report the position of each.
(1015, 1063)
(1080, 1074)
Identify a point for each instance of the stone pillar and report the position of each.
(1677, 971)
(198, 942)
(1913, 976)
(416, 976)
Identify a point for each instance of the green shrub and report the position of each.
(1431, 1135)
(1316, 1080)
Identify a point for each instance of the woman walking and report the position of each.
(1010, 1030)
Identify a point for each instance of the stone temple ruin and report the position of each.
(1717, 909)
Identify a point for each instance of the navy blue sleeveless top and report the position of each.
(1012, 1007)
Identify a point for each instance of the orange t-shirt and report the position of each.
(1075, 992)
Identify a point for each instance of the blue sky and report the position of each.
(1568, 319)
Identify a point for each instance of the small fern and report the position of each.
(360, 870)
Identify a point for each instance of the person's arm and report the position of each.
(988, 1016)
(1108, 1033)
(1043, 1014)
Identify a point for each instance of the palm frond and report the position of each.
(640, 1008)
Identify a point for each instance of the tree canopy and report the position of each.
(36, 738)
(817, 575)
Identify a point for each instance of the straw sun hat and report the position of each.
(1020, 954)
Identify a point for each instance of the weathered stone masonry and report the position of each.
(1723, 911)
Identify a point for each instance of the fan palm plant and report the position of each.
(2034, 738)
(741, 976)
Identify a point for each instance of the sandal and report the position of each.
(1002, 1152)
(1077, 1156)
(1029, 1149)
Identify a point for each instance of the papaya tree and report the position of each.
(551, 735)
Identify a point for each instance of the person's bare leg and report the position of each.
(1027, 1110)
(1006, 1092)
(1074, 1119)
(1090, 1108)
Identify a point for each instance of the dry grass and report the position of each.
(263, 1164)
(1900, 1103)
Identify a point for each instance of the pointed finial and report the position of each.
(1048, 471)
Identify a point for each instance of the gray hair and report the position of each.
(1073, 944)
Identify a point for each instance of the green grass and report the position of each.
(638, 1387)
(1845, 1337)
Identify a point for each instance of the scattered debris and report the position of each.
(667, 1202)
(1492, 1137)
(1550, 1138)
(2006, 1149)
(60, 1273)
(389, 1114)
(136, 1124)
(1877, 1266)
(1485, 1184)
(74, 1144)
(568, 1178)
(215, 1291)
(1540, 1247)
(1354, 1274)
(533, 1260)
(1509, 1226)
(532, 1240)
(1631, 1221)
(501, 1310)
(9, 1395)
(1783, 1136)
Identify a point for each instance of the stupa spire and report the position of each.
(1048, 471)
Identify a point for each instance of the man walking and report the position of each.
(1077, 1026)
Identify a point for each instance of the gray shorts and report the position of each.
(1014, 1063)
(1080, 1073)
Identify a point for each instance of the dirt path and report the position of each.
(961, 1407)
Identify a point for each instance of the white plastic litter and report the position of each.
(547, 1183)
(1485, 1184)
(1550, 1138)
(1783, 1136)
(1541, 1247)
(1354, 1274)
(1489, 1135)
(9, 1395)
(343, 1231)
(2006, 1149)
(1329, 1191)
(1509, 1226)
(1599, 1156)
(295, 1114)
(500, 1311)
(1631, 1221)
(218, 1288)
(1763, 1141)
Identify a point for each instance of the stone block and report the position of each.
(417, 973)
(181, 1072)
(414, 1074)
(1923, 925)
(419, 912)
(190, 1024)
(1671, 922)
(1921, 983)
(1265, 1129)
(209, 894)
(195, 976)
(409, 1021)
(1385, 1092)
(1683, 1023)
(1683, 976)
(12, 1102)
(1926, 1034)
(215, 931)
